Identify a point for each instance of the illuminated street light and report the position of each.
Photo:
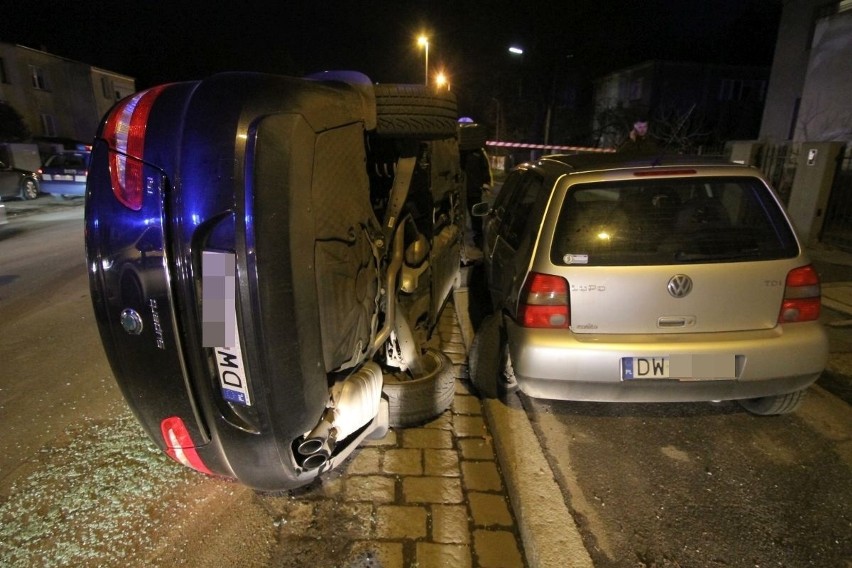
(423, 41)
(441, 80)
(516, 50)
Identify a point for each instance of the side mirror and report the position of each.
(481, 209)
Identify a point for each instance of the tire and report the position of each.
(29, 189)
(472, 137)
(485, 357)
(414, 401)
(489, 363)
(415, 111)
(774, 405)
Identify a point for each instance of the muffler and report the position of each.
(354, 402)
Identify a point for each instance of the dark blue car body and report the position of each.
(236, 167)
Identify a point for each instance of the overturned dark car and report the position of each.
(268, 258)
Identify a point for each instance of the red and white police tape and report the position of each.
(549, 147)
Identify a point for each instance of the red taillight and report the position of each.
(801, 296)
(125, 133)
(179, 444)
(544, 302)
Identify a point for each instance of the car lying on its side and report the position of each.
(646, 280)
(65, 174)
(268, 259)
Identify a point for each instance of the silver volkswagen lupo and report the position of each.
(651, 280)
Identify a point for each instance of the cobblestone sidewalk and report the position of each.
(421, 497)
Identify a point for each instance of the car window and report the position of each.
(512, 182)
(516, 222)
(67, 161)
(671, 222)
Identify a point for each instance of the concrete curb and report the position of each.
(549, 534)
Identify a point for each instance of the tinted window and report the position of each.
(679, 221)
(505, 194)
(67, 161)
(518, 207)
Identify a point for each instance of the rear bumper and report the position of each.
(557, 365)
(235, 171)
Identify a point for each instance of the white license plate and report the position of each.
(62, 177)
(232, 374)
(220, 329)
(679, 367)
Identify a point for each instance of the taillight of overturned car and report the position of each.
(543, 303)
(179, 444)
(124, 131)
(801, 296)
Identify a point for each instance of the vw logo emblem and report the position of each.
(679, 285)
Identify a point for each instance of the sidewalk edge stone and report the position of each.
(548, 531)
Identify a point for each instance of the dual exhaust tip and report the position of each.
(319, 444)
(353, 403)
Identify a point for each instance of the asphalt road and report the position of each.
(648, 485)
(704, 485)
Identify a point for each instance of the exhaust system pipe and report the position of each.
(390, 289)
(319, 443)
(354, 402)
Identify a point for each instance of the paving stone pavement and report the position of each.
(427, 496)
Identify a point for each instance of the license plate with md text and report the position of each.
(220, 329)
(679, 367)
(232, 375)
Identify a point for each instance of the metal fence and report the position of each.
(778, 163)
(837, 226)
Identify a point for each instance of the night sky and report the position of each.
(169, 40)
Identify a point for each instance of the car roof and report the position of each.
(578, 163)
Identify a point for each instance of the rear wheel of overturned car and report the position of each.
(772, 405)
(413, 400)
(415, 111)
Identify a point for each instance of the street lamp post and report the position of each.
(423, 41)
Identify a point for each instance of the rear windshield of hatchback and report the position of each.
(654, 221)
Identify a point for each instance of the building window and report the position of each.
(636, 89)
(106, 87)
(38, 78)
(741, 90)
(48, 125)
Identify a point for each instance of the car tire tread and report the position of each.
(414, 401)
(774, 405)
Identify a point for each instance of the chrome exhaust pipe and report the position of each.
(319, 443)
(354, 402)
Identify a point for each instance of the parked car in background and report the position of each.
(268, 259)
(65, 174)
(654, 280)
(16, 182)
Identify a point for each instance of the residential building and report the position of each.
(58, 98)
(690, 104)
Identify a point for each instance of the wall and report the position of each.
(825, 113)
(789, 65)
(73, 93)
